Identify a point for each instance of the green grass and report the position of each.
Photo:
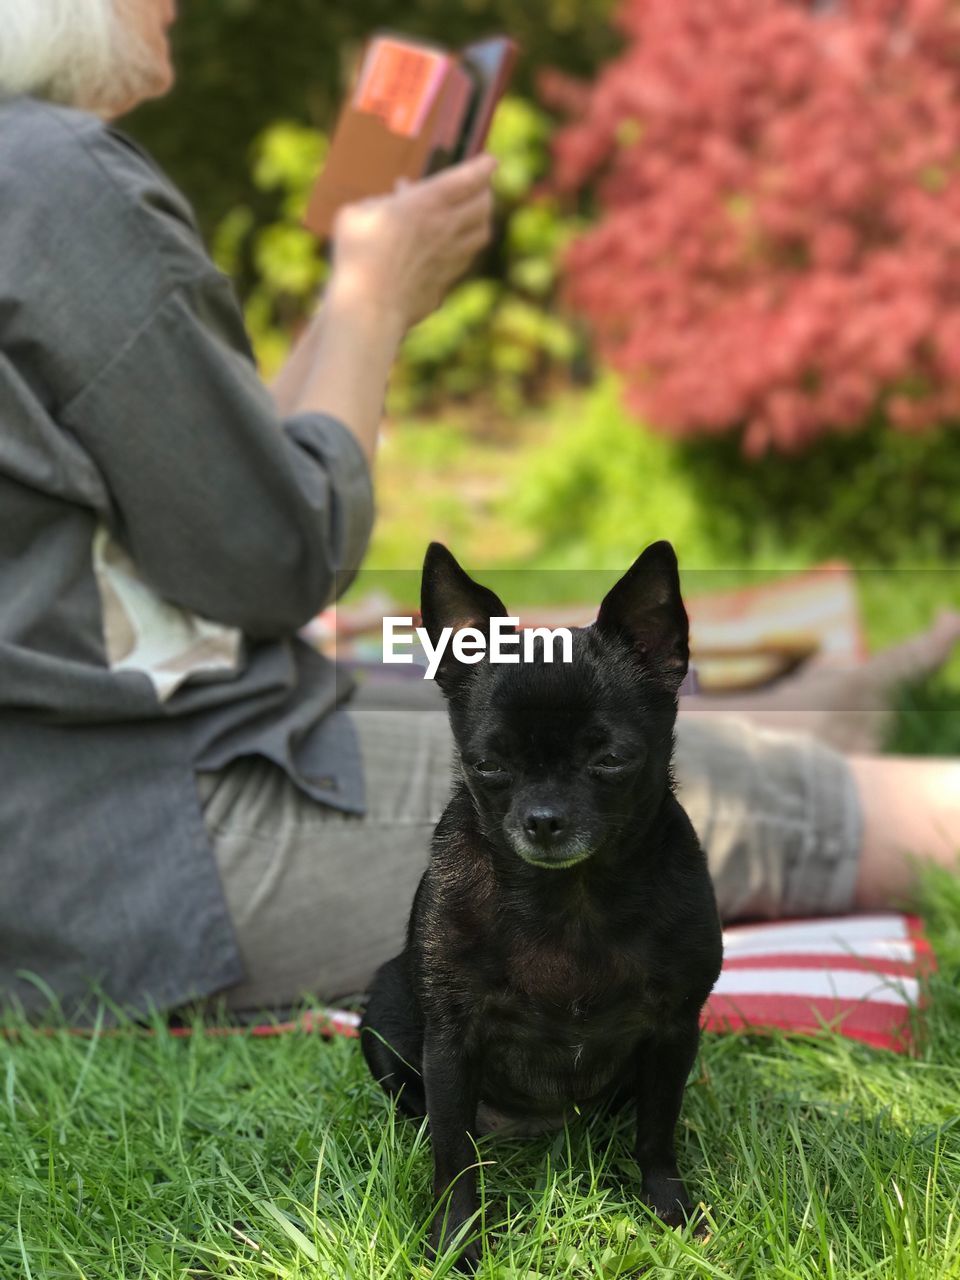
(134, 1156)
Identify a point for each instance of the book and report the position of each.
(414, 109)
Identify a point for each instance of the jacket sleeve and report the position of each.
(227, 509)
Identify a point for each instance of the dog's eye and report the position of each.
(610, 761)
(487, 767)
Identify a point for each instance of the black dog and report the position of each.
(565, 935)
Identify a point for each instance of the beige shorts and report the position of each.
(320, 898)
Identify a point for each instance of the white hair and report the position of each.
(84, 53)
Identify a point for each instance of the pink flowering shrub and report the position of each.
(778, 247)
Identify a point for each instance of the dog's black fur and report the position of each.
(565, 935)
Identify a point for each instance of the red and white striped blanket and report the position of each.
(861, 976)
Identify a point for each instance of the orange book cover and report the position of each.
(414, 109)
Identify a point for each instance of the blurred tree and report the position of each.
(244, 63)
(778, 251)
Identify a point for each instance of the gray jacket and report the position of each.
(163, 533)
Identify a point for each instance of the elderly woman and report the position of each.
(192, 804)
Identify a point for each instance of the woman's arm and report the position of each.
(340, 366)
(394, 258)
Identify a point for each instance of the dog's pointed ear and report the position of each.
(645, 609)
(449, 597)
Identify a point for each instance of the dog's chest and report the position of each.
(561, 1025)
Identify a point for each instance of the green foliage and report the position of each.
(881, 497)
(277, 264)
(605, 485)
(498, 334)
(287, 161)
(494, 334)
(927, 717)
(599, 488)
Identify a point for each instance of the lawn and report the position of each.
(141, 1155)
(147, 1156)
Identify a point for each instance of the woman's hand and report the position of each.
(401, 253)
(394, 257)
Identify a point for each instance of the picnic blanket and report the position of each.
(861, 976)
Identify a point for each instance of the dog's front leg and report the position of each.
(451, 1079)
(662, 1069)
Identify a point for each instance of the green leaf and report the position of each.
(292, 1231)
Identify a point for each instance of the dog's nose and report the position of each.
(545, 826)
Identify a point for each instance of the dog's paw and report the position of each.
(440, 1238)
(667, 1197)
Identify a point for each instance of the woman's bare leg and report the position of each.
(911, 814)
